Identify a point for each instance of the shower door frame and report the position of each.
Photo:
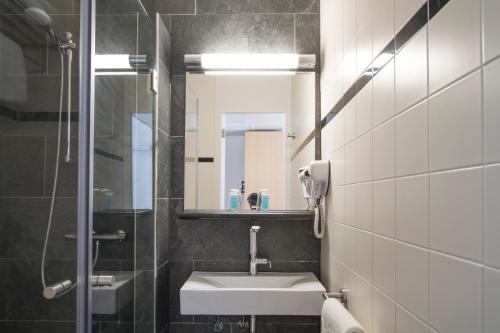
(85, 166)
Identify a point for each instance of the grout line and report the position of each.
(428, 167)
(483, 138)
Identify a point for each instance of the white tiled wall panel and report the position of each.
(384, 207)
(412, 265)
(384, 265)
(491, 215)
(456, 212)
(411, 72)
(454, 42)
(408, 323)
(412, 140)
(383, 24)
(384, 161)
(492, 111)
(491, 300)
(383, 94)
(414, 211)
(384, 313)
(455, 295)
(364, 207)
(364, 109)
(491, 8)
(364, 33)
(364, 254)
(456, 125)
(364, 157)
(350, 204)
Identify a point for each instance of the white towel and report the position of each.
(336, 319)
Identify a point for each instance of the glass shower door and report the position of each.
(39, 140)
(123, 219)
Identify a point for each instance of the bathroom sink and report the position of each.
(219, 293)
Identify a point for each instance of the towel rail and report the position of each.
(341, 295)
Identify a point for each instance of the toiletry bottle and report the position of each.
(263, 200)
(107, 201)
(234, 199)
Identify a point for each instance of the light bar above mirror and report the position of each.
(121, 64)
(249, 64)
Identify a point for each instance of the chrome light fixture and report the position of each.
(121, 64)
(250, 64)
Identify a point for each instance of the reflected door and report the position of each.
(265, 166)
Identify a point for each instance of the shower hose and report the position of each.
(54, 189)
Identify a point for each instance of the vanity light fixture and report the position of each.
(230, 73)
(120, 64)
(249, 61)
(112, 61)
(250, 64)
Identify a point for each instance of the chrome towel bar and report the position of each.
(119, 235)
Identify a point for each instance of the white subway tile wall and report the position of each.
(414, 212)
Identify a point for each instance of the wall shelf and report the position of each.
(291, 215)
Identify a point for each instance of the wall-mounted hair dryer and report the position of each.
(315, 180)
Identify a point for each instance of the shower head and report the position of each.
(40, 17)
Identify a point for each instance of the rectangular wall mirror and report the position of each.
(243, 133)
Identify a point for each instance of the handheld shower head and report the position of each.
(40, 17)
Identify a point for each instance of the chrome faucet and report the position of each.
(254, 261)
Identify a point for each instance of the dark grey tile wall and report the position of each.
(163, 167)
(214, 245)
(227, 26)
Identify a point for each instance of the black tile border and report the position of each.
(428, 10)
(36, 115)
(109, 155)
(205, 159)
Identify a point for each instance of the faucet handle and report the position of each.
(255, 228)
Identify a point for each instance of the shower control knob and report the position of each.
(51, 292)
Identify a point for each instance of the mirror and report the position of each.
(243, 133)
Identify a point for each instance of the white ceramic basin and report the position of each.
(218, 293)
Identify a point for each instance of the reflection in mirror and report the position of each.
(243, 134)
(123, 152)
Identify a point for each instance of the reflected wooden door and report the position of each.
(265, 165)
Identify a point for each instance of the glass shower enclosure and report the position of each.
(77, 119)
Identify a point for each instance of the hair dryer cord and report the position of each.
(319, 218)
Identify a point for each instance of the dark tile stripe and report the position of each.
(309, 138)
(205, 159)
(417, 22)
(35, 115)
(107, 154)
(435, 6)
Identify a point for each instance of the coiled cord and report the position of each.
(319, 218)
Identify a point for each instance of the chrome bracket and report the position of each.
(341, 295)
